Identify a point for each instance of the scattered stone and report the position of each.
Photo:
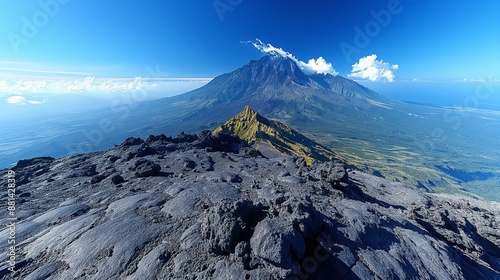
(26, 194)
(278, 243)
(167, 148)
(114, 158)
(229, 222)
(185, 138)
(189, 164)
(131, 141)
(117, 179)
(97, 179)
(84, 171)
(222, 177)
(146, 168)
(39, 161)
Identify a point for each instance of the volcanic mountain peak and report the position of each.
(249, 116)
(280, 65)
(272, 70)
(272, 81)
(256, 129)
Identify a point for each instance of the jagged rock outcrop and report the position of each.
(256, 129)
(211, 207)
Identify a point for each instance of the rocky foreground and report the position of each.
(210, 207)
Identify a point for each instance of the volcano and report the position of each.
(277, 87)
(376, 134)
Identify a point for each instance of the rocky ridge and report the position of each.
(211, 207)
(254, 128)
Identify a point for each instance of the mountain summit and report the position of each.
(264, 133)
(274, 86)
(271, 83)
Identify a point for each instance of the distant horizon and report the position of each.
(42, 93)
(18, 89)
(109, 46)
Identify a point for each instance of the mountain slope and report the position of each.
(277, 87)
(273, 77)
(208, 207)
(254, 128)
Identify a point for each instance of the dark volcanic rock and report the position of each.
(131, 141)
(97, 179)
(185, 138)
(162, 138)
(278, 243)
(39, 161)
(146, 168)
(117, 179)
(228, 223)
(28, 168)
(203, 207)
(333, 173)
(84, 171)
(221, 143)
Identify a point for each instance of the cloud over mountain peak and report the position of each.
(311, 67)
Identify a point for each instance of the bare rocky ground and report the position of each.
(199, 207)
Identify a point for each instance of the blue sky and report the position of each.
(72, 40)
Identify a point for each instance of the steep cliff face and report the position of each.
(211, 207)
(254, 128)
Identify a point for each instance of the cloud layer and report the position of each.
(372, 69)
(88, 84)
(21, 100)
(313, 66)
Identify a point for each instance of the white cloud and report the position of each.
(372, 69)
(16, 99)
(21, 100)
(313, 66)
